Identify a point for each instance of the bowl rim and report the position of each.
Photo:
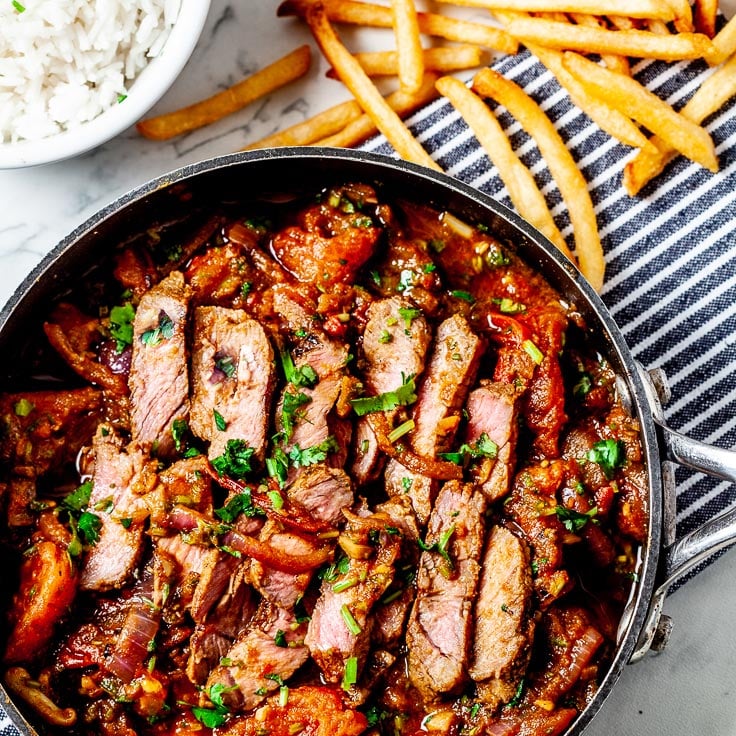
(147, 89)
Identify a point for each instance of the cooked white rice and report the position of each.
(63, 62)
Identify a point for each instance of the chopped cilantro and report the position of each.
(495, 257)
(483, 447)
(246, 288)
(374, 715)
(79, 499)
(508, 306)
(126, 522)
(220, 422)
(179, 431)
(402, 396)
(303, 376)
(88, 527)
(280, 639)
(609, 454)
(163, 331)
(121, 326)
(409, 315)
(217, 716)
(241, 503)
(406, 484)
(440, 546)
(23, 407)
(482, 228)
(573, 520)
(516, 700)
(376, 278)
(429, 268)
(277, 466)
(385, 337)
(339, 567)
(314, 454)
(235, 461)
(225, 364)
(466, 296)
(122, 98)
(582, 388)
(290, 410)
(363, 221)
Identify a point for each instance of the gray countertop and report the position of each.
(688, 689)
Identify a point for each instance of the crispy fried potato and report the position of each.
(631, 8)
(711, 96)
(614, 62)
(438, 59)
(705, 16)
(364, 91)
(612, 121)
(525, 195)
(570, 181)
(644, 44)
(402, 102)
(683, 15)
(408, 44)
(266, 80)
(431, 24)
(635, 100)
(724, 43)
(322, 124)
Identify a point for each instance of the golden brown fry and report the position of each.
(525, 195)
(642, 44)
(570, 181)
(307, 132)
(612, 61)
(725, 43)
(635, 100)
(364, 91)
(408, 44)
(705, 16)
(431, 24)
(631, 8)
(710, 97)
(683, 15)
(621, 23)
(439, 59)
(266, 80)
(658, 27)
(613, 122)
(400, 101)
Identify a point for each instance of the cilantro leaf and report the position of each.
(235, 461)
(609, 454)
(440, 546)
(79, 499)
(483, 447)
(314, 454)
(573, 520)
(226, 364)
(241, 503)
(163, 331)
(88, 526)
(290, 410)
(402, 396)
(121, 325)
(305, 375)
(220, 422)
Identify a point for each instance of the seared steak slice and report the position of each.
(189, 557)
(159, 380)
(451, 373)
(281, 588)
(394, 347)
(504, 626)
(218, 568)
(258, 652)
(341, 622)
(492, 412)
(207, 646)
(440, 624)
(232, 374)
(324, 492)
(121, 476)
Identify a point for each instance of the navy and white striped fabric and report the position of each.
(670, 254)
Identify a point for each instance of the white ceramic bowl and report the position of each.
(148, 87)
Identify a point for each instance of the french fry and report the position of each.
(612, 61)
(705, 16)
(613, 122)
(364, 91)
(725, 43)
(402, 102)
(408, 44)
(431, 24)
(683, 15)
(631, 8)
(321, 125)
(636, 101)
(570, 181)
(525, 195)
(711, 96)
(643, 44)
(438, 59)
(659, 27)
(263, 82)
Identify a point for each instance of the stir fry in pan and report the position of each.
(331, 465)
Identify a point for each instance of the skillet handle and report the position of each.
(689, 551)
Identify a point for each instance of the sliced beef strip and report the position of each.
(256, 654)
(217, 571)
(207, 647)
(189, 557)
(323, 491)
(451, 372)
(159, 377)
(121, 478)
(504, 626)
(232, 373)
(492, 411)
(440, 624)
(394, 348)
(329, 639)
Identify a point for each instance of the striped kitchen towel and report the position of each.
(670, 252)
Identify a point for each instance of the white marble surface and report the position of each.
(691, 687)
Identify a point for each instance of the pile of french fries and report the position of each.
(588, 45)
